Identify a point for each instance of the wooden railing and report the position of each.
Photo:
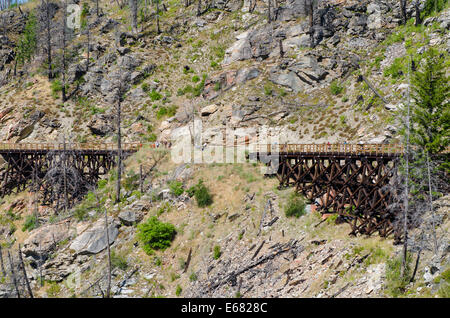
(69, 146)
(355, 149)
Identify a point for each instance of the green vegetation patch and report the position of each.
(156, 235)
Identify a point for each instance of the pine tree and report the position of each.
(431, 112)
(28, 42)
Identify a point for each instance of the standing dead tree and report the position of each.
(1, 262)
(22, 265)
(13, 274)
(134, 13)
(120, 94)
(47, 24)
(403, 11)
(108, 288)
(310, 7)
(64, 46)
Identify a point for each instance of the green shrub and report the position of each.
(154, 95)
(336, 88)
(195, 78)
(56, 87)
(201, 193)
(193, 277)
(101, 184)
(166, 111)
(178, 290)
(152, 137)
(217, 252)
(395, 282)
(118, 260)
(396, 69)
(155, 234)
(433, 6)
(295, 206)
(145, 87)
(31, 223)
(53, 290)
(176, 188)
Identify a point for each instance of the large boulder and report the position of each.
(43, 240)
(94, 240)
(208, 110)
(101, 124)
(290, 80)
(130, 217)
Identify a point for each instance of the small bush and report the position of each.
(118, 260)
(217, 252)
(53, 290)
(396, 69)
(178, 290)
(145, 87)
(155, 234)
(193, 277)
(154, 95)
(336, 88)
(295, 206)
(31, 223)
(176, 188)
(56, 87)
(201, 193)
(395, 282)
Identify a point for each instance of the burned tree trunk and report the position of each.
(13, 274)
(108, 289)
(119, 142)
(403, 11)
(30, 292)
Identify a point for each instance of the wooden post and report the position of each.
(25, 273)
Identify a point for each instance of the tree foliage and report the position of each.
(431, 111)
(156, 235)
(28, 42)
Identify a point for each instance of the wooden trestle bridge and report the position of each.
(42, 165)
(352, 180)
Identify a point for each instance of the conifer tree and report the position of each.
(431, 112)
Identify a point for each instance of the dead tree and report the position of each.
(30, 292)
(119, 140)
(417, 11)
(64, 44)
(310, 6)
(406, 195)
(97, 9)
(88, 31)
(48, 38)
(108, 288)
(199, 7)
(1, 262)
(13, 274)
(403, 11)
(133, 10)
(158, 29)
(269, 18)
